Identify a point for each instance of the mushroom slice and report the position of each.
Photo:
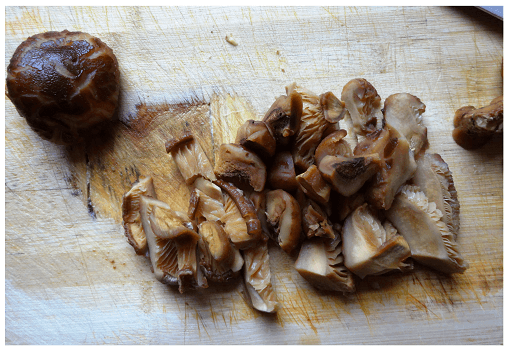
(132, 222)
(334, 109)
(259, 203)
(419, 222)
(234, 162)
(371, 248)
(313, 185)
(474, 127)
(171, 228)
(403, 111)
(398, 164)
(219, 272)
(257, 277)
(284, 219)
(219, 260)
(245, 207)
(190, 158)
(435, 180)
(209, 200)
(256, 136)
(333, 144)
(363, 103)
(314, 221)
(320, 262)
(282, 174)
(348, 174)
(312, 126)
(283, 117)
(235, 225)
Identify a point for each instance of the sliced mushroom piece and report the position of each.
(257, 277)
(363, 103)
(259, 203)
(219, 259)
(371, 248)
(162, 253)
(235, 225)
(403, 111)
(312, 126)
(315, 222)
(209, 201)
(238, 164)
(132, 221)
(320, 262)
(419, 222)
(333, 144)
(348, 174)
(398, 164)
(436, 181)
(190, 158)
(256, 136)
(333, 108)
(313, 185)
(282, 174)
(283, 117)
(245, 207)
(284, 219)
(475, 127)
(172, 226)
(219, 272)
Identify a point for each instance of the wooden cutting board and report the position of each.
(72, 278)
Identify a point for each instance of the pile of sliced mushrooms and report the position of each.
(362, 200)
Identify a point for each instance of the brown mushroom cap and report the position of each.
(284, 218)
(256, 136)
(475, 127)
(63, 83)
(238, 164)
(333, 108)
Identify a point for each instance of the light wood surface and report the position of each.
(72, 278)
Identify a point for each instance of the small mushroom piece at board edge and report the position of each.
(190, 158)
(240, 165)
(284, 219)
(475, 127)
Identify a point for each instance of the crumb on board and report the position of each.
(230, 39)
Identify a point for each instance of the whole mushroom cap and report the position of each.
(63, 83)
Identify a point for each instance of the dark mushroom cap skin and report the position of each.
(63, 83)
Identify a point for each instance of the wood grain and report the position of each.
(72, 278)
